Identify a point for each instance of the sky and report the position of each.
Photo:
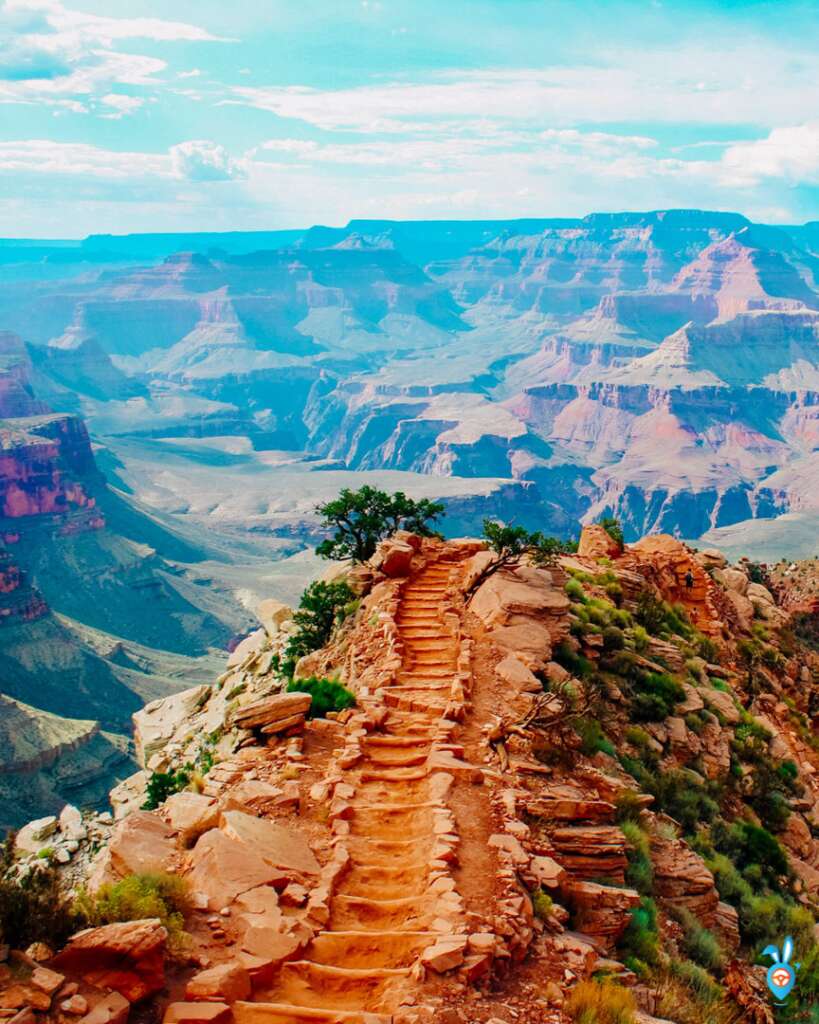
(261, 114)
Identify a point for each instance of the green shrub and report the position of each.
(641, 940)
(328, 695)
(613, 528)
(541, 904)
(322, 607)
(574, 663)
(613, 639)
(637, 737)
(601, 1002)
(33, 909)
(139, 896)
(592, 737)
(640, 871)
(629, 806)
(658, 694)
(575, 591)
(161, 785)
(699, 944)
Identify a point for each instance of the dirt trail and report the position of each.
(383, 913)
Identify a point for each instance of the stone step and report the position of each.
(397, 756)
(359, 913)
(394, 775)
(390, 741)
(287, 1013)
(387, 853)
(359, 949)
(388, 883)
(342, 988)
(420, 704)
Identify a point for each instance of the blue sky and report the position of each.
(260, 114)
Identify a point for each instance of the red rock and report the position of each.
(596, 542)
(128, 957)
(46, 980)
(191, 815)
(394, 558)
(142, 844)
(197, 1013)
(280, 846)
(18, 995)
(225, 982)
(222, 868)
(446, 954)
(111, 1009)
(271, 709)
(75, 1005)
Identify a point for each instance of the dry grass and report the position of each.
(601, 1002)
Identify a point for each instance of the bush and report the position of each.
(139, 896)
(574, 663)
(321, 608)
(641, 940)
(592, 737)
(601, 1002)
(613, 528)
(640, 871)
(657, 697)
(328, 695)
(575, 590)
(33, 909)
(613, 639)
(363, 518)
(699, 944)
(541, 904)
(161, 785)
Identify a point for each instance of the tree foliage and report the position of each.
(511, 544)
(361, 519)
(613, 528)
(322, 607)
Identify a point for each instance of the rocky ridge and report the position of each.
(462, 845)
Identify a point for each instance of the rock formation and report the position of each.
(504, 802)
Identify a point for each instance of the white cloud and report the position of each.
(49, 52)
(42, 156)
(789, 153)
(200, 160)
(122, 104)
(195, 162)
(746, 84)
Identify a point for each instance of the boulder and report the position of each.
(142, 843)
(156, 723)
(111, 1009)
(595, 542)
(250, 645)
(682, 879)
(732, 579)
(446, 954)
(224, 983)
(34, 836)
(197, 1013)
(45, 980)
(190, 815)
(271, 709)
(394, 558)
(222, 868)
(512, 671)
(71, 823)
(251, 795)
(724, 703)
(129, 795)
(279, 846)
(601, 911)
(711, 558)
(272, 613)
(128, 957)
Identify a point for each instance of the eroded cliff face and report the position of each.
(550, 772)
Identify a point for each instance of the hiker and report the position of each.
(689, 579)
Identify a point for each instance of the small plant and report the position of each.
(161, 785)
(328, 695)
(541, 904)
(613, 528)
(592, 737)
(601, 1002)
(641, 940)
(640, 871)
(33, 909)
(139, 896)
(321, 608)
(699, 944)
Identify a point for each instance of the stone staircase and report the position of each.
(396, 898)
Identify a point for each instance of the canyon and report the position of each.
(173, 407)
